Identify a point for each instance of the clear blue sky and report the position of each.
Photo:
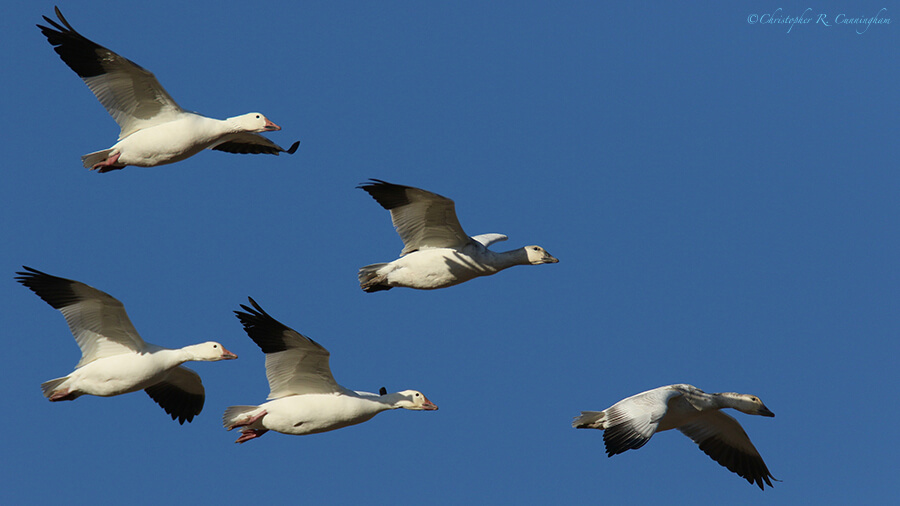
(723, 198)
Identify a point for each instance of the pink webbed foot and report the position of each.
(108, 164)
(248, 434)
(62, 395)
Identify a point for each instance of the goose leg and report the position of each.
(62, 395)
(248, 434)
(251, 420)
(108, 164)
(375, 284)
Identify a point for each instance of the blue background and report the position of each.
(722, 196)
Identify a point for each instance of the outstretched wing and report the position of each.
(295, 364)
(722, 438)
(130, 93)
(423, 219)
(97, 320)
(253, 144)
(631, 422)
(488, 239)
(181, 394)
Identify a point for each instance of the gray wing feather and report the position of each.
(180, 394)
(722, 438)
(422, 218)
(295, 364)
(97, 320)
(130, 93)
(252, 144)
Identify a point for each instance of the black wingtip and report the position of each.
(265, 331)
(62, 19)
(372, 182)
(388, 195)
(256, 310)
(53, 290)
(181, 406)
(382, 391)
(291, 150)
(77, 51)
(30, 272)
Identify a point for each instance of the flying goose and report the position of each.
(304, 398)
(114, 358)
(631, 422)
(154, 129)
(437, 253)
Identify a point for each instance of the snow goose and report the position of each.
(114, 358)
(304, 398)
(154, 129)
(437, 253)
(631, 422)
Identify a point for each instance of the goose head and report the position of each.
(210, 351)
(749, 404)
(414, 400)
(254, 122)
(537, 255)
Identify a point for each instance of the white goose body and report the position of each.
(114, 358)
(174, 140)
(155, 130)
(437, 253)
(630, 423)
(314, 413)
(124, 373)
(429, 269)
(304, 398)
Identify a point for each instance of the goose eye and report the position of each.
(257, 116)
(215, 346)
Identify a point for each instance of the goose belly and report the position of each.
(314, 413)
(436, 268)
(680, 412)
(117, 375)
(161, 144)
